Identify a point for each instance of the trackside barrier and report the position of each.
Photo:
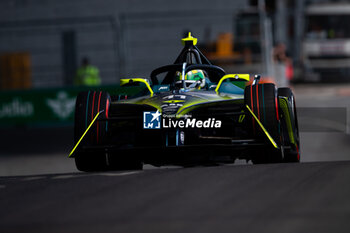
(47, 107)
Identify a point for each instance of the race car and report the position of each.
(187, 113)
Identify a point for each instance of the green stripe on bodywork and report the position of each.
(174, 101)
(142, 101)
(195, 104)
(193, 101)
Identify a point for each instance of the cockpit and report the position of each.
(193, 71)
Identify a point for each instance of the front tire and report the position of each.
(262, 100)
(293, 153)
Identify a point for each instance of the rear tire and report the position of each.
(90, 162)
(88, 104)
(262, 100)
(124, 163)
(292, 154)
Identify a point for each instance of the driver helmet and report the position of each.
(193, 78)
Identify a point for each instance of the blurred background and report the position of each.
(46, 45)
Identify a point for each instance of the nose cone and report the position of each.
(171, 103)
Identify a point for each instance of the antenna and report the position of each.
(189, 40)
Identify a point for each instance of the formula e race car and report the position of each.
(187, 113)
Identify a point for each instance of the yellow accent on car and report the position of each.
(283, 101)
(244, 77)
(174, 101)
(92, 122)
(189, 38)
(125, 81)
(241, 118)
(186, 108)
(263, 128)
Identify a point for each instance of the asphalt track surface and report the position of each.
(309, 197)
(44, 192)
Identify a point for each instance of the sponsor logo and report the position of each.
(17, 108)
(151, 120)
(170, 97)
(62, 106)
(191, 123)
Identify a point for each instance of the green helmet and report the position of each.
(193, 77)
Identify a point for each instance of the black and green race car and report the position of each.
(187, 113)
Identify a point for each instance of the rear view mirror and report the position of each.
(233, 77)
